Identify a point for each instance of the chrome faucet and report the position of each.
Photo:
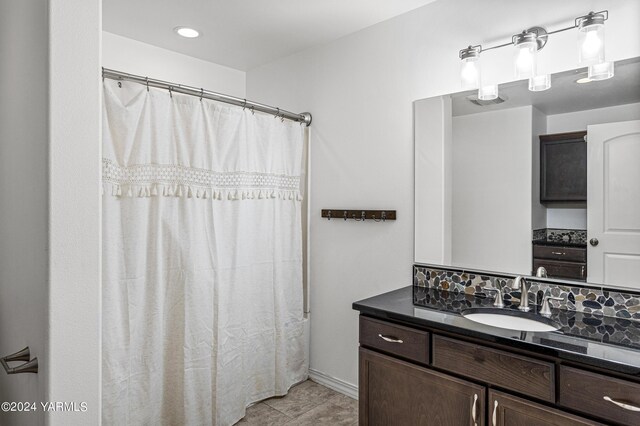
(519, 283)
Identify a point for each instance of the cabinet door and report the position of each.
(563, 163)
(394, 392)
(507, 410)
(555, 269)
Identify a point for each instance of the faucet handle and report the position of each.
(546, 306)
(499, 302)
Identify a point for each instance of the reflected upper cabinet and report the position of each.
(563, 167)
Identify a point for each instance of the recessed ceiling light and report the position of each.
(583, 80)
(186, 32)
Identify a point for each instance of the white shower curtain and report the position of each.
(202, 248)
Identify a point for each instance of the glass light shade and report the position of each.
(601, 71)
(470, 73)
(526, 59)
(539, 83)
(488, 93)
(591, 44)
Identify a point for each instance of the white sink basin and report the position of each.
(510, 319)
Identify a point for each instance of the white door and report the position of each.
(613, 203)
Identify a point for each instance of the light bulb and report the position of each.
(488, 93)
(526, 59)
(592, 45)
(591, 39)
(470, 73)
(470, 67)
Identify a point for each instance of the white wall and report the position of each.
(567, 217)
(433, 201)
(134, 57)
(492, 186)
(575, 121)
(23, 207)
(538, 210)
(361, 89)
(74, 210)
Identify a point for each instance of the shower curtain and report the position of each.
(202, 258)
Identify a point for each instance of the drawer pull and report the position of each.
(389, 339)
(473, 409)
(559, 253)
(622, 405)
(494, 418)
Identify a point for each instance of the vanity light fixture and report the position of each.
(470, 67)
(187, 32)
(591, 38)
(488, 93)
(601, 71)
(529, 43)
(539, 83)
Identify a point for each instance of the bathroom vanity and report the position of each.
(423, 363)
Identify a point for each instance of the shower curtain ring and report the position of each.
(201, 93)
(244, 105)
(171, 92)
(147, 80)
(277, 113)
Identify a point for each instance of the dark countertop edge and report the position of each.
(534, 348)
(558, 244)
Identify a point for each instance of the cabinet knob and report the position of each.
(594, 242)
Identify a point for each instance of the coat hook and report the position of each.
(384, 216)
(363, 216)
(345, 215)
(329, 215)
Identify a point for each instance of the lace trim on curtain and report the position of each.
(170, 180)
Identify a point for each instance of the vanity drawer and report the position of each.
(555, 269)
(570, 254)
(518, 373)
(395, 339)
(585, 391)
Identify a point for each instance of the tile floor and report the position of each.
(306, 404)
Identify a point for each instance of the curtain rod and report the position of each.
(304, 117)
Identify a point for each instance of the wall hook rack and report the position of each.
(359, 215)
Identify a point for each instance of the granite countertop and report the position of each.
(605, 342)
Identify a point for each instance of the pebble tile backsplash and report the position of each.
(591, 300)
(572, 236)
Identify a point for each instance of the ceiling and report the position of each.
(565, 95)
(245, 34)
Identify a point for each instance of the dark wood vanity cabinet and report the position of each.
(508, 410)
(395, 392)
(561, 261)
(457, 381)
(563, 167)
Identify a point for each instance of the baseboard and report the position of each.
(333, 383)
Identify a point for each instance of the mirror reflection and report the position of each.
(533, 182)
